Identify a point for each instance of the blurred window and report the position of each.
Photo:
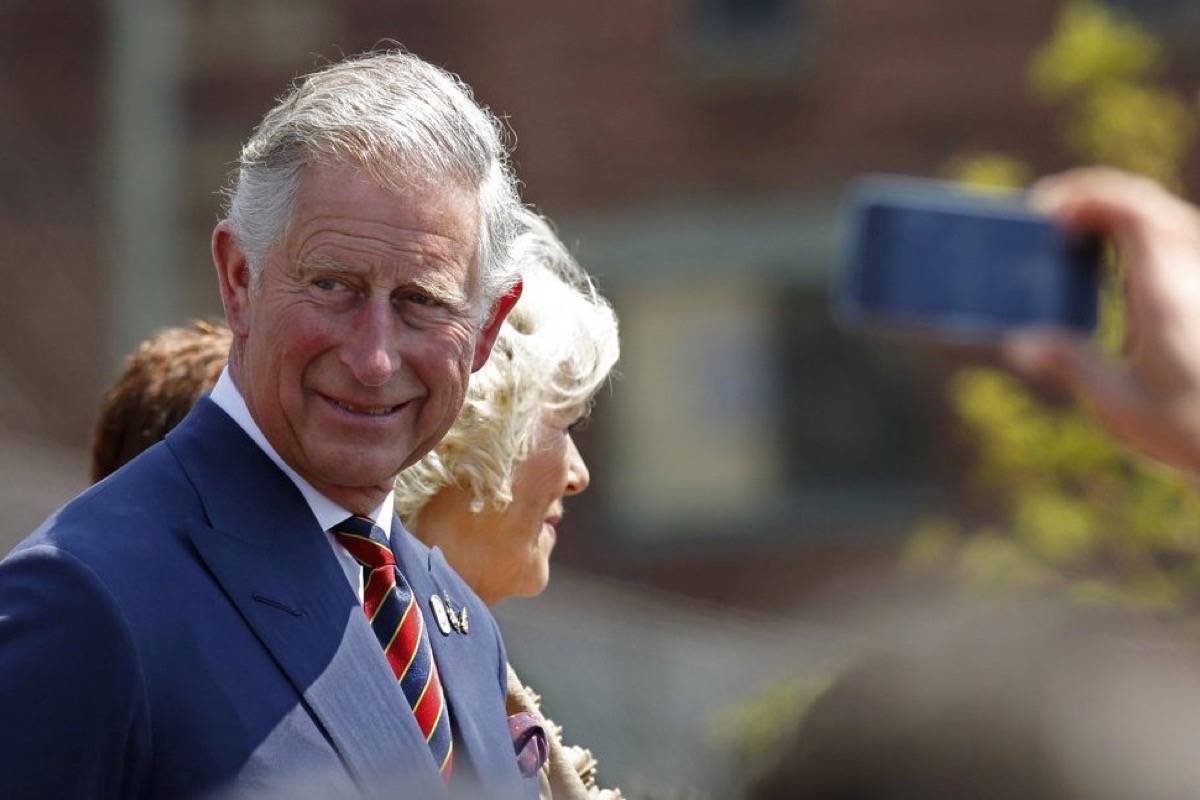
(853, 414)
(744, 19)
(1153, 10)
(1177, 22)
(746, 43)
(744, 412)
(740, 410)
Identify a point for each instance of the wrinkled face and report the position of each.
(356, 346)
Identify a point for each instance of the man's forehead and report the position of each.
(409, 192)
(439, 208)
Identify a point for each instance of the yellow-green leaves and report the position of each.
(1092, 47)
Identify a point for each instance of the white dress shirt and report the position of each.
(328, 513)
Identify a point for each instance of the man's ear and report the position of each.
(491, 329)
(233, 278)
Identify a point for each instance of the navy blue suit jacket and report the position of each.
(184, 628)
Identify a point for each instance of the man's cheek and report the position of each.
(301, 340)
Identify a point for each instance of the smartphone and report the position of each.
(963, 264)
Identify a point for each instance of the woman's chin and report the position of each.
(538, 581)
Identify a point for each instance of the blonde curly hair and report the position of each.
(553, 353)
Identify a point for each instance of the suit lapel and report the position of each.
(274, 563)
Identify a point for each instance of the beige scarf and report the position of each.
(569, 772)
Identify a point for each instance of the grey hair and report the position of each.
(401, 120)
(553, 352)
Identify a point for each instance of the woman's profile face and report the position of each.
(507, 553)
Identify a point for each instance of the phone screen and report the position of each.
(967, 264)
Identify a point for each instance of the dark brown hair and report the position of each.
(161, 382)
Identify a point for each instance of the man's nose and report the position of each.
(578, 476)
(370, 351)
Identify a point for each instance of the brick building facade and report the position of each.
(692, 151)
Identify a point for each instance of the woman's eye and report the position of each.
(577, 425)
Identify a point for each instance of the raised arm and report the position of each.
(1150, 399)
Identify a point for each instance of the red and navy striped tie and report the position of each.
(396, 618)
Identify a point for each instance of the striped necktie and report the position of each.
(396, 618)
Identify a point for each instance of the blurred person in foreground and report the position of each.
(194, 624)
(1152, 400)
(161, 381)
(1016, 700)
(490, 495)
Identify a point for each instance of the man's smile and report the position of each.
(363, 410)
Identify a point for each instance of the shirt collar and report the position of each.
(328, 513)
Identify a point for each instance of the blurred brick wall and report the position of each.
(613, 105)
(52, 312)
(609, 109)
(607, 102)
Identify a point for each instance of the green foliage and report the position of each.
(1098, 66)
(989, 171)
(1078, 511)
(752, 730)
(1138, 128)
(1090, 48)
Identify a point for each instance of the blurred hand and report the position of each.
(1152, 400)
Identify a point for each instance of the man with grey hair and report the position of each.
(194, 624)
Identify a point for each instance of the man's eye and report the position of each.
(328, 284)
(419, 299)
